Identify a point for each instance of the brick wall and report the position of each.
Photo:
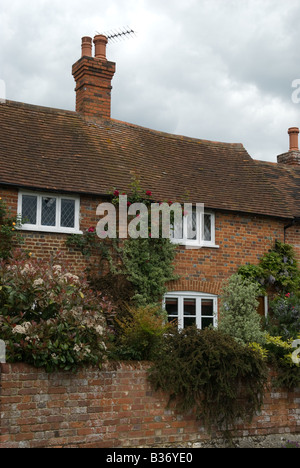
(241, 239)
(293, 238)
(113, 408)
(44, 245)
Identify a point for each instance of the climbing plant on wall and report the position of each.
(277, 271)
(141, 265)
(9, 236)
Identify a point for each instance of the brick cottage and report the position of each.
(56, 166)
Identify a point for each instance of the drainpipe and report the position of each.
(292, 223)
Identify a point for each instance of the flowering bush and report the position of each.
(49, 317)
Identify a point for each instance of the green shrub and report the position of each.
(148, 264)
(49, 317)
(280, 353)
(284, 317)
(9, 236)
(277, 271)
(211, 372)
(238, 314)
(139, 333)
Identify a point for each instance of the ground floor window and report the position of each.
(189, 308)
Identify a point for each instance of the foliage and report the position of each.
(279, 354)
(72, 339)
(211, 372)
(290, 444)
(238, 313)
(277, 271)
(284, 319)
(49, 317)
(9, 236)
(146, 265)
(87, 243)
(139, 333)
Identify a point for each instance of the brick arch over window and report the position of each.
(214, 288)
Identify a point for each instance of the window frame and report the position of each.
(57, 228)
(199, 241)
(180, 296)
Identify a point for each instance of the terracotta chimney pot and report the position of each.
(86, 46)
(93, 77)
(100, 42)
(294, 135)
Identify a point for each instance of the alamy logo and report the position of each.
(296, 93)
(2, 92)
(295, 355)
(160, 220)
(2, 352)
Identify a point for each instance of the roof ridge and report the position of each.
(176, 136)
(51, 110)
(97, 120)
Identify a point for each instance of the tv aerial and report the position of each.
(119, 34)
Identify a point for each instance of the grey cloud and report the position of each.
(211, 69)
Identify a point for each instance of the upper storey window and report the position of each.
(48, 212)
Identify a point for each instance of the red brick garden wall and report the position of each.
(113, 408)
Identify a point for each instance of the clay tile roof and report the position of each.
(287, 180)
(60, 150)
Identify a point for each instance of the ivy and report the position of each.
(9, 236)
(145, 265)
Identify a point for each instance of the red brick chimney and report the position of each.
(292, 157)
(93, 77)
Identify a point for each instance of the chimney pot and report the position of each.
(86, 46)
(294, 135)
(100, 42)
(93, 77)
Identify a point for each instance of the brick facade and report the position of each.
(114, 407)
(240, 239)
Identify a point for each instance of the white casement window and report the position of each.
(190, 308)
(49, 212)
(197, 230)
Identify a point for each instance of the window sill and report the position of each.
(50, 230)
(196, 246)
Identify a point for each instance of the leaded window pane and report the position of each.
(48, 211)
(207, 227)
(67, 213)
(29, 209)
(192, 225)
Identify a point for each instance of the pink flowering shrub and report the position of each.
(50, 317)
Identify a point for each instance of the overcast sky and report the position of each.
(212, 69)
